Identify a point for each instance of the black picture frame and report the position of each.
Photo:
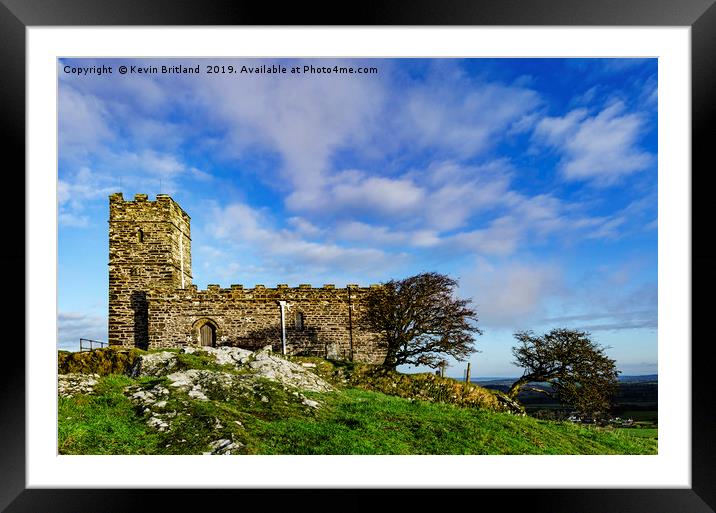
(17, 15)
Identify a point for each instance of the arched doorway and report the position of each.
(207, 335)
(205, 331)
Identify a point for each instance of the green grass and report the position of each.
(103, 424)
(351, 421)
(651, 433)
(363, 422)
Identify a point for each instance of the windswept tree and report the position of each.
(577, 369)
(420, 320)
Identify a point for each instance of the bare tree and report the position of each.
(577, 369)
(420, 320)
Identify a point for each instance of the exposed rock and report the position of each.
(226, 355)
(157, 423)
(197, 393)
(74, 384)
(183, 379)
(276, 368)
(198, 382)
(265, 364)
(147, 399)
(143, 396)
(154, 364)
(311, 403)
(224, 446)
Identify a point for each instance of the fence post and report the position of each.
(467, 373)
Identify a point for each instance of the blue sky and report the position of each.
(531, 181)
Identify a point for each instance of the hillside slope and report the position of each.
(231, 401)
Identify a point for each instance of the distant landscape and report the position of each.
(637, 398)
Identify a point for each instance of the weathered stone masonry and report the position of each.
(152, 302)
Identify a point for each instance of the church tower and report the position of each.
(149, 247)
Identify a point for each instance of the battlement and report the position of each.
(260, 291)
(162, 209)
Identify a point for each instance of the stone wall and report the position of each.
(251, 318)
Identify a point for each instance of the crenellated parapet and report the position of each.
(261, 291)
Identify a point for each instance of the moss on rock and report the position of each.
(99, 361)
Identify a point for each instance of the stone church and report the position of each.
(153, 303)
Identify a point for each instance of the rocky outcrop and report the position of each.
(257, 364)
(151, 403)
(244, 380)
(75, 384)
(288, 373)
(225, 355)
(224, 446)
(154, 364)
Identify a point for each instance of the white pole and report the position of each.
(283, 327)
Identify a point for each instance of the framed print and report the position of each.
(541, 155)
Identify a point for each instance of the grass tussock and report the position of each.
(423, 387)
(426, 387)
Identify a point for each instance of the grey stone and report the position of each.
(154, 364)
(224, 446)
(75, 384)
(311, 403)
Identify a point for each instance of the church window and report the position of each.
(299, 320)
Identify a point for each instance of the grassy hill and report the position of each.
(364, 412)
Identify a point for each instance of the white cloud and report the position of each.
(72, 326)
(306, 122)
(501, 237)
(510, 294)
(601, 148)
(609, 298)
(304, 119)
(382, 235)
(72, 220)
(457, 192)
(358, 193)
(304, 227)
(75, 191)
(460, 115)
(441, 197)
(142, 171)
(200, 175)
(531, 221)
(83, 122)
(253, 230)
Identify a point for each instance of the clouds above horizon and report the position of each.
(521, 175)
(71, 326)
